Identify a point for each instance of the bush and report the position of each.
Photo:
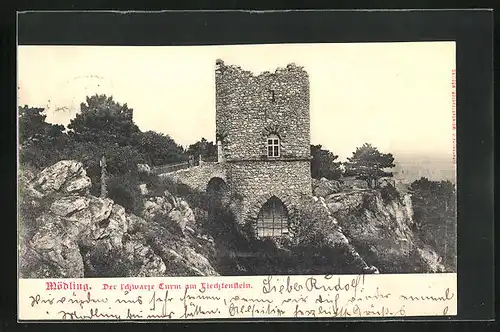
(321, 248)
(124, 190)
(192, 196)
(389, 194)
(38, 156)
(314, 225)
(323, 164)
(103, 263)
(120, 160)
(154, 184)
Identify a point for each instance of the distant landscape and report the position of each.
(412, 167)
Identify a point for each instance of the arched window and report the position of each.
(272, 219)
(273, 146)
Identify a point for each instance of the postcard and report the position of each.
(237, 181)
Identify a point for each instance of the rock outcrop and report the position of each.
(324, 187)
(381, 230)
(168, 207)
(66, 176)
(78, 235)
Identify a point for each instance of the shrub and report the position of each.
(103, 263)
(120, 160)
(124, 190)
(154, 184)
(389, 194)
(39, 156)
(321, 247)
(192, 196)
(314, 225)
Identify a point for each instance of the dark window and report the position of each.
(273, 146)
(272, 219)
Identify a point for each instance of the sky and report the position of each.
(396, 96)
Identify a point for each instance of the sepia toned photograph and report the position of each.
(249, 160)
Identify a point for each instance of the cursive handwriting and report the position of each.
(269, 286)
(88, 300)
(164, 300)
(312, 283)
(192, 310)
(446, 297)
(261, 310)
(37, 299)
(93, 313)
(276, 296)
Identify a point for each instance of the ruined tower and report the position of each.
(263, 134)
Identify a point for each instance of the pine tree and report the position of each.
(368, 163)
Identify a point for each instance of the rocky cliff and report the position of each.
(379, 224)
(66, 232)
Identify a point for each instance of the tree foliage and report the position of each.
(434, 205)
(33, 128)
(102, 128)
(323, 164)
(159, 149)
(368, 163)
(207, 150)
(103, 121)
(39, 141)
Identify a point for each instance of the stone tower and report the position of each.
(263, 134)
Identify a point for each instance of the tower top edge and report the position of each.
(221, 67)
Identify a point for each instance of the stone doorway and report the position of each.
(217, 192)
(272, 220)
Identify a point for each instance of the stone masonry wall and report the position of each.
(198, 177)
(257, 181)
(251, 107)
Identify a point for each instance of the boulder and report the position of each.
(134, 223)
(188, 214)
(143, 260)
(100, 208)
(112, 231)
(178, 218)
(335, 206)
(56, 248)
(68, 205)
(143, 188)
(134, 259)
(353, 183)
(431, 260)
(187, 262)
(144, 168)
(66, 177)
(154, 206)
(173, 208)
